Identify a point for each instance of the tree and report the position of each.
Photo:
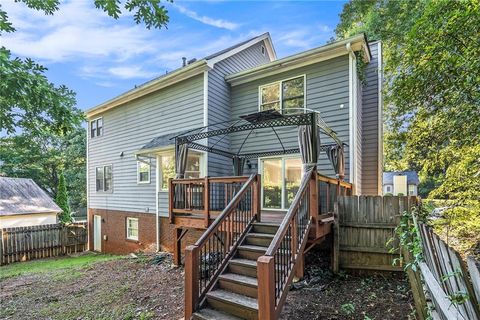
(62, 200)
(432, 73)
(28, 101)
(43, 156)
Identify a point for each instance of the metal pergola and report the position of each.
(270, 119)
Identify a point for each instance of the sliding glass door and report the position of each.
(280, 181)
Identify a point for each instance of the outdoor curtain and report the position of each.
(181, 160)
(337, 159)
(308, 147)
(238, 164)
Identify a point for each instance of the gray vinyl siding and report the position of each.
(371, 126)
(127, 129)
(219, 100)
(327, 88)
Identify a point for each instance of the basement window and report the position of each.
(132, 228)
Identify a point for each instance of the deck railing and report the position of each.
(205, 260)
(275, 269)
(328, 191)
(204, 197)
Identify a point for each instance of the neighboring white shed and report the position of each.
(23, 203)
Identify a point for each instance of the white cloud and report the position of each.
(131, 72)
(219, 23)
(304, 38)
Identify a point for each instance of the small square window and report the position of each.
(132, 228)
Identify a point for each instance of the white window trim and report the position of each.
(203, 166)
(260, 170)
(149, 171)
(103, 167)
(279, 82)
(138, 228)
(90, 128)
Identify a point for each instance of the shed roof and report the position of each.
(23, 196)
(412, 177)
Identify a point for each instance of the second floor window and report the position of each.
(286, 96)
(103, 179)
(96, 127)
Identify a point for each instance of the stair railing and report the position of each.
(276, 269)
(206, 260)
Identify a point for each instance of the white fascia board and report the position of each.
(380, 117)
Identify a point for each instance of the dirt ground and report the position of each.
(150, 288)
(322, 295)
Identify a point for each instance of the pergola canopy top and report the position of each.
(270, 119)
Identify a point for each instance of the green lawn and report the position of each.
(53, 264)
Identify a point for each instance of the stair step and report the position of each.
(211, 314)
(259, 239)
(244, 267)
(252, 252)
(265, 227)
(233, 303)
(239, 283)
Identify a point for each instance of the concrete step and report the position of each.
(259, 239)
(239, 283)
(264, 227)
(234, 304)
(211, 314)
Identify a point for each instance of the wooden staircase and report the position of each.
(235, 294)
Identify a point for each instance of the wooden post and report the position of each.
(314, 202)
(266, 287)
(191, 280)
(171, 193)
(206, 202)
(416, 286)
(299, 272)
(336, 238)
(257, 204)
(177, 246)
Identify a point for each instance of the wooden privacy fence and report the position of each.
(453, 288)
(36, 242)
(366, 223)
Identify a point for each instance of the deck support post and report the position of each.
(177, 246)
(299, 272)
(266, 287)
(336, 234)
(191, 280)
(314, 202)
(257, 205)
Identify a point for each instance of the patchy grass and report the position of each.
(65, 267)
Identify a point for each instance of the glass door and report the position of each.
(280, 182)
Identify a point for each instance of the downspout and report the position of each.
(352, 114)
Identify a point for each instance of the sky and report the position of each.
(99, 57)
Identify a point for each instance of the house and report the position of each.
(23, 203)
(400, 183)
(131, 138)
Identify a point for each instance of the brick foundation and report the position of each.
(115, 230)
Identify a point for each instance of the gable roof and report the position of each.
(412, 177)
(183, 73)
(23, 196)
(322, 53)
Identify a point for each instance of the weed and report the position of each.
(348, 308)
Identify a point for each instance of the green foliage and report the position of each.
(42, 156)
(408, 237)
(348, 308)
(62, 200)
(432, 74)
